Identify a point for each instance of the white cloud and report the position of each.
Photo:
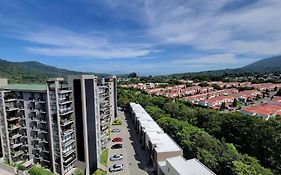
(223, 60)
(59, 42)
(252, 29)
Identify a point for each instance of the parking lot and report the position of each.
(135, 159)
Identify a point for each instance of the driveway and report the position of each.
(135, 159)
(4, 172)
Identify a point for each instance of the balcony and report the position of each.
(67, 153)
(33, 119)
(44, 160)
(10, 100)
(13, 127)
(11, 108)
(44, 141)
(15, 145)
(67, 132)
(103, 128)
(41, 111)
(69, 142)
(15, 136)
(41, 100)
(33, 110)
(66, 122)
(66, 111)
(65, 91)
(63, 101)
(69, 160)
(13, 118)
(16, 153)
(31, 99)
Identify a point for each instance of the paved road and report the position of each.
(135, 159)
(3, 172)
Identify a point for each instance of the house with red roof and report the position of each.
(263, 110)
(216, 102)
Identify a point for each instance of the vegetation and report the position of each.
(104, 157)
(117, 122)
(79, 171)
(99, 172)
(37, 170)
(20, 166)
(32, 72)
(228, 143)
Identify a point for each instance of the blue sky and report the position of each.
(145, 36)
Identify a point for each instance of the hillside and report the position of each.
(267, 65)
(272, 64)
(33, 72)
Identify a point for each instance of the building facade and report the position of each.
(24, 121)
(94, 108)
(59, 125)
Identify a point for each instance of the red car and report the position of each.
(117, 139)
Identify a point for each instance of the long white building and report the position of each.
(165, 153)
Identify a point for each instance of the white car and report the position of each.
(116, 157)
(116, 167)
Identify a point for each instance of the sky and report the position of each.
(150, 37)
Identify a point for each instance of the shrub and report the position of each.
(37, 170)
(117, 122)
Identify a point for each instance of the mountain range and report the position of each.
(36, 72)
(267, 65)
(33, 72)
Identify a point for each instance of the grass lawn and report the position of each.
(99, 172)
(104, 156)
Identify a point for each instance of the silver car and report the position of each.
(116, 167)
(116, 157)
(115, 130)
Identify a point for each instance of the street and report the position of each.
(135, 159)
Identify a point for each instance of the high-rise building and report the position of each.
(24, 121)
(59, 125)
(62, 128)
(94, 109)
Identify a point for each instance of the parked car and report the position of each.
(116, 167)
(115, 130)
(116, 146)
(116, 157)
(117, 139)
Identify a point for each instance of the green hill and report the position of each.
(267, 65)
(33, 72)
(272, 64)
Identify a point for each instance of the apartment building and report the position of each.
(59, 125)
(25, 132)
(62, 128)
(94, 108)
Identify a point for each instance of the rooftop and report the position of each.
(164, 143)
(25, 87)
(186, 167)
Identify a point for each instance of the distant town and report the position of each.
(248, 98)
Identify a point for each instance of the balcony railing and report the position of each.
(65, 91)
(11, 108)
(10, 99)
(66, 111)
(66, 122)
(41, 100)
(15, 145)
(13, 127)
(13, 118)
